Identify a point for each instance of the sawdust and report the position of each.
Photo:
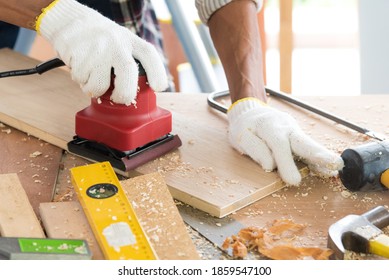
(204, 175)
(173, 162)
(158, 216)
(35, 154)
(68, 195)
(386, 230)
(278, 241)
(5, 129)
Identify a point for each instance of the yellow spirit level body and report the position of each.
(110, 214)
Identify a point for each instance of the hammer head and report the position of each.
(376, 218)
(364, 166)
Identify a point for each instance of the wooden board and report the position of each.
(159, 217)
(17, 218)
(35, 161)
(205, 172)
(154, 207)
(67, 220)
(41, 105)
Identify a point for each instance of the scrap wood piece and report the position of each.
(17, 218)
(67, 220)
(277, 242)
(159, 217)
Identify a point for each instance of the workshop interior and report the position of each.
(163, 183)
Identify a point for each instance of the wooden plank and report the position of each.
(154, 207)
(29, 102)
(67, 220)
(159, 217)
(206, 172)
(35, 161)
(17, 218)
(214, 178)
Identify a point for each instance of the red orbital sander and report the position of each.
(126, 136)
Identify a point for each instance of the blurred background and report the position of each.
(324, 49)
(311, 47)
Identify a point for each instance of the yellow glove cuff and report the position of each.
(246, 99)
(38, 20)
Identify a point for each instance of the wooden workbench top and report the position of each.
(317, 202)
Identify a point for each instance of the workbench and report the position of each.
(43, 168)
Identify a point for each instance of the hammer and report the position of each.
(350, 230)
(366, 167)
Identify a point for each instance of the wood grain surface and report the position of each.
(17, 218)
(67, 220)
(35, 161)
(205, 172)
(316, 202)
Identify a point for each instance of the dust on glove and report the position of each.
(273, 138)
(91, 44)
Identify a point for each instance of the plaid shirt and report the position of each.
(139, 16)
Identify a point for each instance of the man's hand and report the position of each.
(91, 44)
(272, 138)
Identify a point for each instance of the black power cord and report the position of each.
(39, 69)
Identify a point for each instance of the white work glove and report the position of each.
(91, 44)
(272, 138)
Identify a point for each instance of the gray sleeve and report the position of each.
(206, 8)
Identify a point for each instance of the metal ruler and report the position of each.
(110, 214)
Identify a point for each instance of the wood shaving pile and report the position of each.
(275, 242)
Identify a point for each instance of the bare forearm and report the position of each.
(235, 34)
(22, 12)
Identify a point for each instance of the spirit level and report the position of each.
(110, 214)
